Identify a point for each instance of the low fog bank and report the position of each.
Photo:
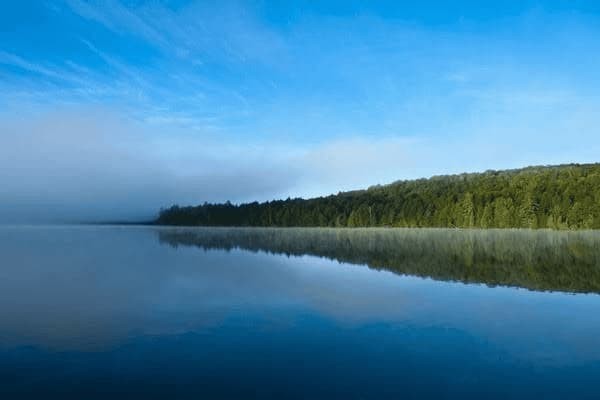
(95, 165)
(62, 167)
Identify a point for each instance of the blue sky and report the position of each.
(115, 108)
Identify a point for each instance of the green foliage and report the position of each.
(559, 197)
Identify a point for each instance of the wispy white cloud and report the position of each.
(117, 17)
(193, 32)
(16, 61)
(123, 70)
(522, 96)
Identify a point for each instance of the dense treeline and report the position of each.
(537, 260)
(556, 197)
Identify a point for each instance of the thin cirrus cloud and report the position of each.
(132, 106)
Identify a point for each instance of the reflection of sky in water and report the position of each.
(68, 287)
(99, 289)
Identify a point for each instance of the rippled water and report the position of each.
(298, 313)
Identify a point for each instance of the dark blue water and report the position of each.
(125, 312)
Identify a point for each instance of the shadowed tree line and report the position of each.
(558, 197)
(537, 260)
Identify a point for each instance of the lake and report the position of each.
(152, 312)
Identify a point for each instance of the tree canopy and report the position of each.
(555, 197)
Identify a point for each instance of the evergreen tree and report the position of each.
(560, 197)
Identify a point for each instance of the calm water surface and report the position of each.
(105, 312)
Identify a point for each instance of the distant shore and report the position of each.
(562, 197)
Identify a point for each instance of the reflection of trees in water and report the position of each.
(538, 260)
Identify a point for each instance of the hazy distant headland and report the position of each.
(551, 197)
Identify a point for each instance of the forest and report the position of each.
(552, 197)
